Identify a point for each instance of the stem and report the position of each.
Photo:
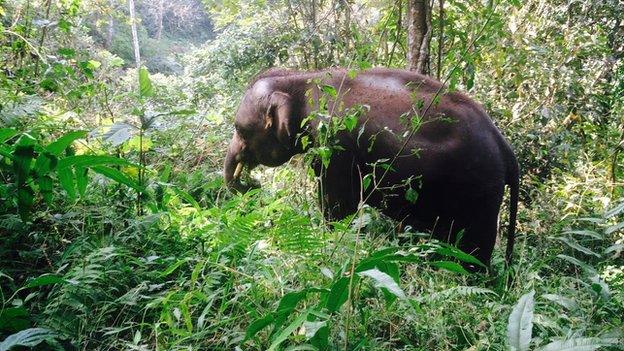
(352, 269)
(440, 38)
(43, 33)
(140, 173)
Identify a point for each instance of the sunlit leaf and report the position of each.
(117, 176)
(62, 143)
(145, 84)
(520, 323)
(383, 280)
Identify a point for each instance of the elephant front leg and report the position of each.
(339, 187)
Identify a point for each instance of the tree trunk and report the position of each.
(440, 38)
(135, 36)
(161, 9)
(111, 32)
(418, 35)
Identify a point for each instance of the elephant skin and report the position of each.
(445, 176)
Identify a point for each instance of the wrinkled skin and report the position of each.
(457, 159)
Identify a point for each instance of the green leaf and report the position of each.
(173, 267)
(82, 180)
(520, 323)
(22, 157)
(67, 52)
(338, 294)
(257, 325)
(45, 163)
(578, 344)
(366, 181)
(14, 318)
(562, 300)
(145, 84)
(589, 269)
(325, 153)
(6, 134)
(287, 305)
(46, 186)
(383, 280)
(283, 335)
(57, 147)
(117, 176)
(46, 279)
(575, 245)
(27, 338)
(90, 161)
(350, 122)
(450, 266)
(411, 195)
(450, 251)
(589, 233)
(329, 90)
(66, 178)
(614, 211)
(186, 197)
(25, 200)
(614, 228)
(93, 64)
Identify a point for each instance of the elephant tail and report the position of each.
(513, 180)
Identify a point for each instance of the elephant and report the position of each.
(424, 155)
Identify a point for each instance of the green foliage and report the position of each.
(34, 169)
(123, 237)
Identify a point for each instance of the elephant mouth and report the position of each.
(237, 172)
(236, 181)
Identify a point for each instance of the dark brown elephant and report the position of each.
(456, 162)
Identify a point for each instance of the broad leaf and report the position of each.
(520, 323)
(587, 268)
(118, 133)
(566, 302)
(338, 294)
(383, 280)
(82, 180)
(258, 325)
(450, 266)
(578, 344)
(90, 161)
(27, 338)
(450, 251)
(62, 143)
(25, 200)
(287, 305)
(614, 211)
(45, 163)
(575, 245)
(46, 279)
(283, 335)
(6, 134)
(117, 176)
(66, 178)
(145, 84)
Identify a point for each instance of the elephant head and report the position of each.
(265, 131)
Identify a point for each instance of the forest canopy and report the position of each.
(117, 229)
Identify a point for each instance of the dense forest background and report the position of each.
(116, 231)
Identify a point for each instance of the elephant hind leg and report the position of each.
(479, 239)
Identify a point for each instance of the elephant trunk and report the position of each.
(233, 166)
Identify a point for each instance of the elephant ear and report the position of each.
(279, 117)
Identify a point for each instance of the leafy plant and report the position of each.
(34, 169)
